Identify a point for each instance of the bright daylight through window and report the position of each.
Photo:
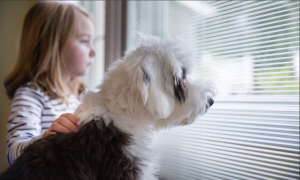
(250, 49)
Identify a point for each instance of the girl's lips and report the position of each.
(88, 64)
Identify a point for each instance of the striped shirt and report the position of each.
(31, 114)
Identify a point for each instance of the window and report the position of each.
(96, 72)
(250, 49)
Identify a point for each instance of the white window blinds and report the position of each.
(250, 49)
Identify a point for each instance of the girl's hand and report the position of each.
(64, 124)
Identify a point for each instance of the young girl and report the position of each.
(55, 49)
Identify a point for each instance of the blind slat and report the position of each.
(256, 56)
(238, 156)
(249, 41)
(265, 152)
(235, 167)
(222, 31)
(260, 18)
(258, 32)
(216, 23)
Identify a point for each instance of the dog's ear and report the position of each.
(143, 83)
(151, 87)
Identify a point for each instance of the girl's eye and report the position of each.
(85, 41)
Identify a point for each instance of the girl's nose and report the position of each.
(92, 53)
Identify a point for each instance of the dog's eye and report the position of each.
(183, 76)
(146, 77)
(179, 89)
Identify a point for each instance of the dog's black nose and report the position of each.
(210, 101)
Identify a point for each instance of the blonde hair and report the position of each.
(46, 29)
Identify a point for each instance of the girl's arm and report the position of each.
(24, 123)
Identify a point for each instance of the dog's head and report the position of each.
(164, 66)
(153, 81)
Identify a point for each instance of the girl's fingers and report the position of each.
(67, 124)
(71, 117)
(48, 133)
(57, 127)
(51, 133)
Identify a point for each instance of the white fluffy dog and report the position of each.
(150, 89)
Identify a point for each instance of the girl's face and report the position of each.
(79, 51)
